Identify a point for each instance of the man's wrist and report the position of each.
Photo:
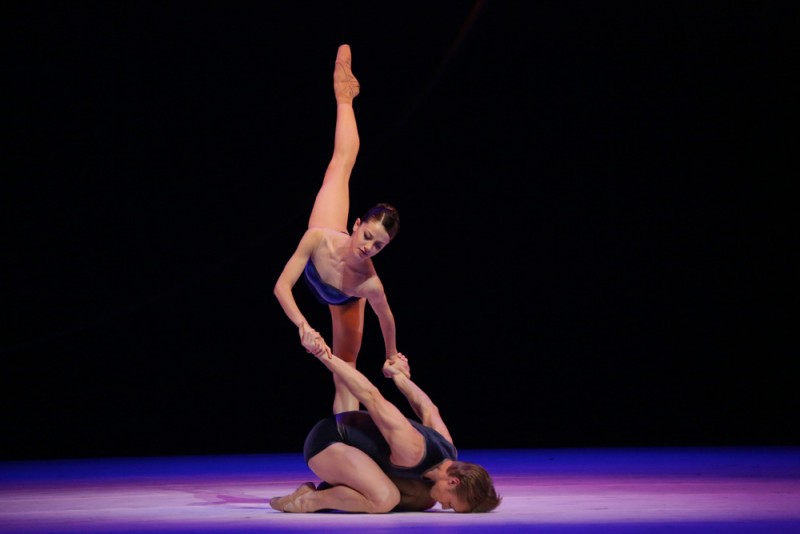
(399, 378)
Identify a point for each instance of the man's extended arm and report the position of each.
(420, 402)
(406, 443)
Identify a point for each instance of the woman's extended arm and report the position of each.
(283, 291)
(380, 305)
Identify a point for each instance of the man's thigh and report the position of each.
(341, 464)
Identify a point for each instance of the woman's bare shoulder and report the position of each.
(318, 234)
(371, 284)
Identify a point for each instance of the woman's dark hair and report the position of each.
(387, 215)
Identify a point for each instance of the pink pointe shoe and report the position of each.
(345, 85)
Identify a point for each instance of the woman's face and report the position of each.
(369, 238)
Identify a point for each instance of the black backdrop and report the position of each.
(594, 201)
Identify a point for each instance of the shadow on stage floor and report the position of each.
(548, 490)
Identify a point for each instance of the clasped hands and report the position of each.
(314, 344)
(396, 365)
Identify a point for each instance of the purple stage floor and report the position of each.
(548, 490)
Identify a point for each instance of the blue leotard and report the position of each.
(325, 293)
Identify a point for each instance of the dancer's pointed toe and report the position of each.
(345, 84)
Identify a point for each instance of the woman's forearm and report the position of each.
(389, 334)
(287, 302)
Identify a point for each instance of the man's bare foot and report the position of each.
(345, 85)
(286, 503)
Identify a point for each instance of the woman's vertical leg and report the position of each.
(331, 209)
(332, 204)
(348, 328)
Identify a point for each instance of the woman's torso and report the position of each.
(330, 259)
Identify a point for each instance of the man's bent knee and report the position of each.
(384, 500)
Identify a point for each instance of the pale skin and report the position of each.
(343, 261)
(359, 485)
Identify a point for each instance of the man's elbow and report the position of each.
(430, 412)
(372, 398)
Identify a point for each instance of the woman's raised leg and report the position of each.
(332, 205)
(331, 210)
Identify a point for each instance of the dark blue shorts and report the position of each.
(323, 434)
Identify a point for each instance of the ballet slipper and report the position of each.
(286, 503)
(345, 85)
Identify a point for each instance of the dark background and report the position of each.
(595, 201)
